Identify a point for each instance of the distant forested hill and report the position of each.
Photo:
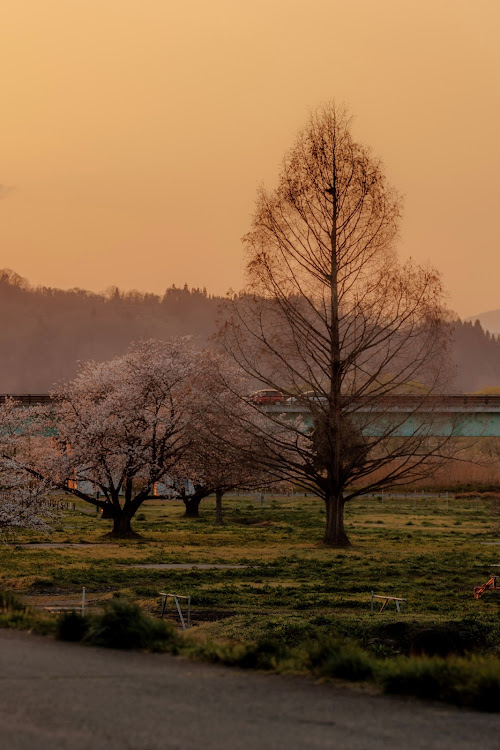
(46, 331)
(489, 320)
(477, 356)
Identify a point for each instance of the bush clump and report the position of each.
(72, 626)
(267, 653)
(471, 681)
(347, 661)
(122, 625)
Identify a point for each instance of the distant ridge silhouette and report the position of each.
(490, 320)
(46, 331)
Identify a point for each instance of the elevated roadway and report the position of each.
(460, 415)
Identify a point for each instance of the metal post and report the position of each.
(189, 611)
(180, 612)
(372, 603)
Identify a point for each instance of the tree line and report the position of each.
(47, 331)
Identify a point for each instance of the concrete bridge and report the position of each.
(459, 415)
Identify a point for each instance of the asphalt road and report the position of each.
(58, 695)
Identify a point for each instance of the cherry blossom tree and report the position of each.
(114, 431)
(24, 505)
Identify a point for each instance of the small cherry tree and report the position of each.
(219, 461)
(114, 431)
(220, 456)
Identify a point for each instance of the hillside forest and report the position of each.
(47, 331)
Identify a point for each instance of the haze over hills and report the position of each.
(46, 331)
(489, 320)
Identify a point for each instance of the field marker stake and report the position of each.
(176, 597)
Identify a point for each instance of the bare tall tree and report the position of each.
(332, 318)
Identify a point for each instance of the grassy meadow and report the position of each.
(289, 603)
(430, 551)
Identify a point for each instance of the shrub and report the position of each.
(72, 626)
(267, 653)
(467, 682)
(427, 677)
(331, 658)
(125, 625)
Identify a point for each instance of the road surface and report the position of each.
(66, 696)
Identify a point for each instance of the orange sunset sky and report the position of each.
(134, 133)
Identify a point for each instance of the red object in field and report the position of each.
(266, 396)
(490, 585)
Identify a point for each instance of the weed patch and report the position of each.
(124, 625)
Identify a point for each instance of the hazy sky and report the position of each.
(134, 133)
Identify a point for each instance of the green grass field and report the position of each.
(432, 552)
(291, 604)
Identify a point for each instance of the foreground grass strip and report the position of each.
(16, 615)
(472, 681)
(466, 681)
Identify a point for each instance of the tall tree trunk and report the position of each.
(122, 526)
(335, 535)
(107, 512)
(334, 532)
(218, 507)
(192, 505)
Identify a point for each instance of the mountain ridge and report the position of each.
(47, 331)
(490, 320)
